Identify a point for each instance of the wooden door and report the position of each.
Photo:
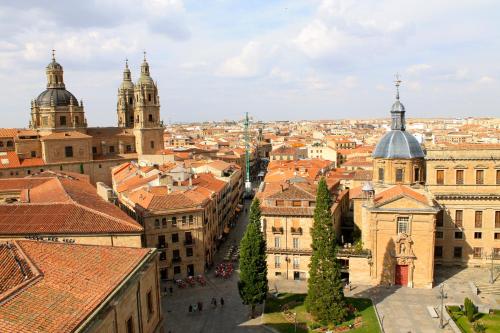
(401, 278)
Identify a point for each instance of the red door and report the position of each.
(401, 275)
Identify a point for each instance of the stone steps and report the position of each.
(486, 288)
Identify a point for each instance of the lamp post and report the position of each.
(442, 296)
(295, 319)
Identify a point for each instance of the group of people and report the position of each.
(199, 305)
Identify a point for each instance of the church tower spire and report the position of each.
(398, 110)
(54, 73)
(125, 104)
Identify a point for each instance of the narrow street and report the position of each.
(233, 317)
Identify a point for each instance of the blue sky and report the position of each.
(215, 60)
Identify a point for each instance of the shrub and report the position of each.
(469, 309)
(479, 327)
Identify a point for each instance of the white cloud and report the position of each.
(486, 80)
(417, 69)
(249, 63)
(349, 82)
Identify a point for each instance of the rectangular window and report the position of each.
(189, 251)
(184, 220)
(497, 235)
(177, 269)
(130, 325)
(296, 263)
(161, 241)
(164, 222)
(111, 149)
(280, 203)
(438, 251)
(129, 148)
(479, 177)
(157, 224)
(403, 224)
(497, 219)
(381, 174)
(295, 242)
(478, 252)
(439, 218)
(175, 238)
(174, 221)
(478, 219)
(439, 234)
(459, 214)
(277, 242)
(416, 174)
(399, 175)
(478, 235)
(152, 144)
(68, 151)
(150, 304)
(460, 177)
(191, 219)
(440, 177)
(498, 177)
(277, 261)
(496, 253)
(33, 153)
(94, 150)
(163, 256)
(296, 203)
(457, 252)
(459, 235)
(62, 120)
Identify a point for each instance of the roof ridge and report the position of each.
(123, 222)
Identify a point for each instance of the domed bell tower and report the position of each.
(125, 104)
(147, 125)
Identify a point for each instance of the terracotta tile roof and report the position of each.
(356, 192)
(8, 132)
(60, 204)
(173, 201)
(10, 159)
(14, 268)
(294, 192)
(68, 289)
(65, 136)
(398, 191)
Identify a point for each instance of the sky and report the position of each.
(277, 60)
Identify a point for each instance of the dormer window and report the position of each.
(296, 203)
(280, 203)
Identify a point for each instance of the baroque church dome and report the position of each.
(61, 97)
(398, 143)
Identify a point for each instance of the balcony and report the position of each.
(278, 250)
(296, 231)
(277, 230)
(353, 252)
(189, 242)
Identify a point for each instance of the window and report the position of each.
(149, 97)
(68, 151)
(478, 235)
(157, 224)
(94, 150)
(416, 175)
(129, 148)
(438, 251)
(459, 178)
(191, 219)
(176, 255)
(459, 214)
(174, 221)
(152, 144)
(497, 236)
(161, 241)
(280, 203)
(184, 220)
(439, 234)
(478, 251)
(497, 219)
(399, 175)
(459, 235)
(189, 251)
(498, 177)
(149, 297)
(175, 238)
(177, 269)
(296, 203)
(457, 252)
(77, 120)
(381, 174)
(130, 100)
(496, 253)
(277, 242)
(295, 242)
(62, 120)
(403, 223)
(33, 153)
(163, 256)
(163, 222)
(10, 143)
(1, 143)
(479, 177)
(440, 177)
(277, 261)
(111, 149)
(478, 219)
(439, 218)
(296, 262)
(130, 325)
(150, 118)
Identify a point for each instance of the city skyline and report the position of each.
(281, 60)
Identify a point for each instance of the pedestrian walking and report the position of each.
(195, 307)
(200, 306)
(190, 309)
(222, 302)
(171, 290)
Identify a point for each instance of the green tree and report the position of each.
(325, 298)
(469, 309)
(253, 269)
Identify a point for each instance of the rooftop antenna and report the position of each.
(53, 54)
(397, 83)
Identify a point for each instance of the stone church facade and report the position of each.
(58, 137)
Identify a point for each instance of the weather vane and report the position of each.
(53, 54)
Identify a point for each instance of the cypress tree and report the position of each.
(253, 286)
(325, 299)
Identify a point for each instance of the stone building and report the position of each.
(57, 287)
(59, 138)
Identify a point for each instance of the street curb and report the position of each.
(378, 316)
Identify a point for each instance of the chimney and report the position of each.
(281, 185)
